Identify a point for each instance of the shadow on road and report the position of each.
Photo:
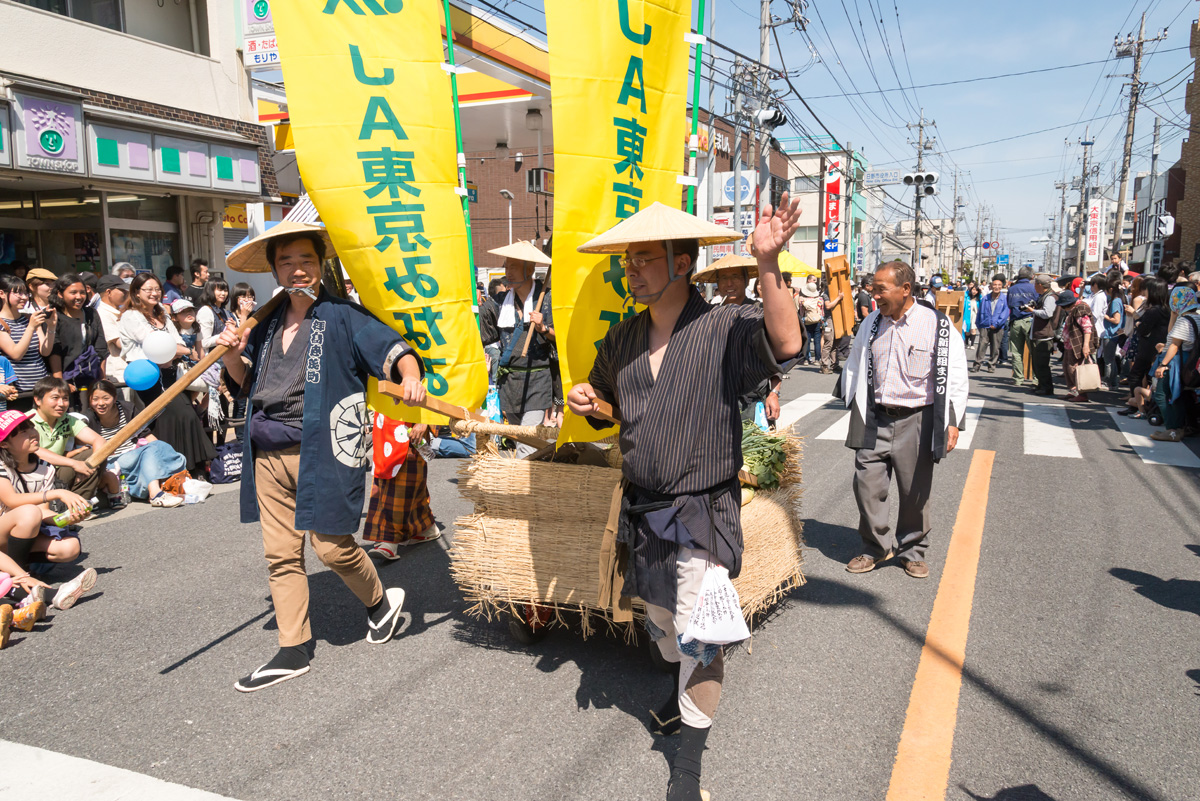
(1026, 792)
(836, 543)
(1181, 594)
(823, 591)
(1194, 675)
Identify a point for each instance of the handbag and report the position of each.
(227, 467)
(717, 616)
(1087, 377)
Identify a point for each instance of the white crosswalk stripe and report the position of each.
(967, 435)
(838, 430)
(1137, 434)
(1048, 431)
(791, 412)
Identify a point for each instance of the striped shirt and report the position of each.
(31, 367)
(108, 432)
(902, 353)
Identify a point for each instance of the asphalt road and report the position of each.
(1081, 680)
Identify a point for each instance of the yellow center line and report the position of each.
(922, 768)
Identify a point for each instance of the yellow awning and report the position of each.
(790, 264)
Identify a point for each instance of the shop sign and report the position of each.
(1094, 233)
(5, 138)
(120, 153)
(720, 139)
(235, 216)
(48, 135)
(747, 227)
(256, 19)
(833, 206)
(725, 180)
(260, 51)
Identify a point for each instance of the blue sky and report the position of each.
(947, 41)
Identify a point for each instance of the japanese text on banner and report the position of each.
(619, 116)
(372, 115)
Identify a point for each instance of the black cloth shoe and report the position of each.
(289, 663)
(667, 719)
(382, 622)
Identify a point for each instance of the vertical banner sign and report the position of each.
(619, 70)
(1093, 233)
(373, 121)
(833, 207)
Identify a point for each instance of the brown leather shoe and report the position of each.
(864, 563)
(916, 568)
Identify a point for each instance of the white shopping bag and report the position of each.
(195, 490)
(717, 617)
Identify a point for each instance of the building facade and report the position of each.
(126, 128)
(1150, 251)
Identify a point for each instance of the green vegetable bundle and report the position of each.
(763, 455)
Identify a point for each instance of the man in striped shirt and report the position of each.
(673, 374)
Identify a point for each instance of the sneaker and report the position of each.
(116, 502)
(71, 592)
(387, 617)
(166, 500)
(25, 617)
(428, 535)
(6, 620)
(385, 550)
(267, 676)
(35, 596)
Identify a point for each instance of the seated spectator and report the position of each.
(1150, 330)
(67, 442)
(79, 349)
(178, 425)
(448, 445)
(26, 339)
(143, 462)
(27, 532)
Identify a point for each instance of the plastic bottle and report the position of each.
(64, 519)
(126, 496)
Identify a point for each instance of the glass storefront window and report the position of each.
(71, 251)
(97, 12)
(140, 207)
(146, 250)
(18, 245)
(69, 203)
(16, 204)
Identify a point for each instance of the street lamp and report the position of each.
(504, 193)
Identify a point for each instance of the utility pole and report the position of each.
(1152, 207)
(920, 126)
(1124, 50)
(955, 268)
(1081, 238)
(1061, 186)
(978, 260)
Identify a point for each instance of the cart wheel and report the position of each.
(658, 659)
(531, 626)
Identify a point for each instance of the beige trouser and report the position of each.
(699, 687)
(275, 475)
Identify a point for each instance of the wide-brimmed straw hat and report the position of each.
(658, 222)
(733, 261)
(809, 292)
(252, 256)
(522, 251)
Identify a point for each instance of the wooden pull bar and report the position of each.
(529, 336)
(393, 390)
(99, 458)
(604, 411)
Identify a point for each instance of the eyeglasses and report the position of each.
(639, 262)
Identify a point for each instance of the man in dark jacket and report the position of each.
(993, 316)
(1020, 294)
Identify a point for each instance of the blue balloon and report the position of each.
(141, 374)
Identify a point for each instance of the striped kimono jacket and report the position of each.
(681, 434)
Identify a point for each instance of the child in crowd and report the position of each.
(8, 383)
(67, 442)
(184, 313)
(26, 530)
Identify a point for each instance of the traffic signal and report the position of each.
(1166, 225)
(770, 118)
(925, 182)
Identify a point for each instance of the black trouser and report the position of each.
(1042, 349)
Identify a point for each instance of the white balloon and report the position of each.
(159, 347)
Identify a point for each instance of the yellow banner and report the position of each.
(373, 120)
(619, 71)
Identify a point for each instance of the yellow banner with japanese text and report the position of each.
(373, 121)
(619, 71)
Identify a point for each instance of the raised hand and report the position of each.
(775, 228)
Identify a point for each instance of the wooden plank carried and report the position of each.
(837, 270)
(431, 403)
(147, 415)
(951, 304)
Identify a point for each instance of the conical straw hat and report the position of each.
(252, 256)
(522, 251)
(655, 223)
(731, 262)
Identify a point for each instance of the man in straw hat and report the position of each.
(732, 275)
(673, 373)
(524, 379)
(307, 436)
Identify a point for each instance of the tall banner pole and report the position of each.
(373, 117)
(694, 141)
(458, 139)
